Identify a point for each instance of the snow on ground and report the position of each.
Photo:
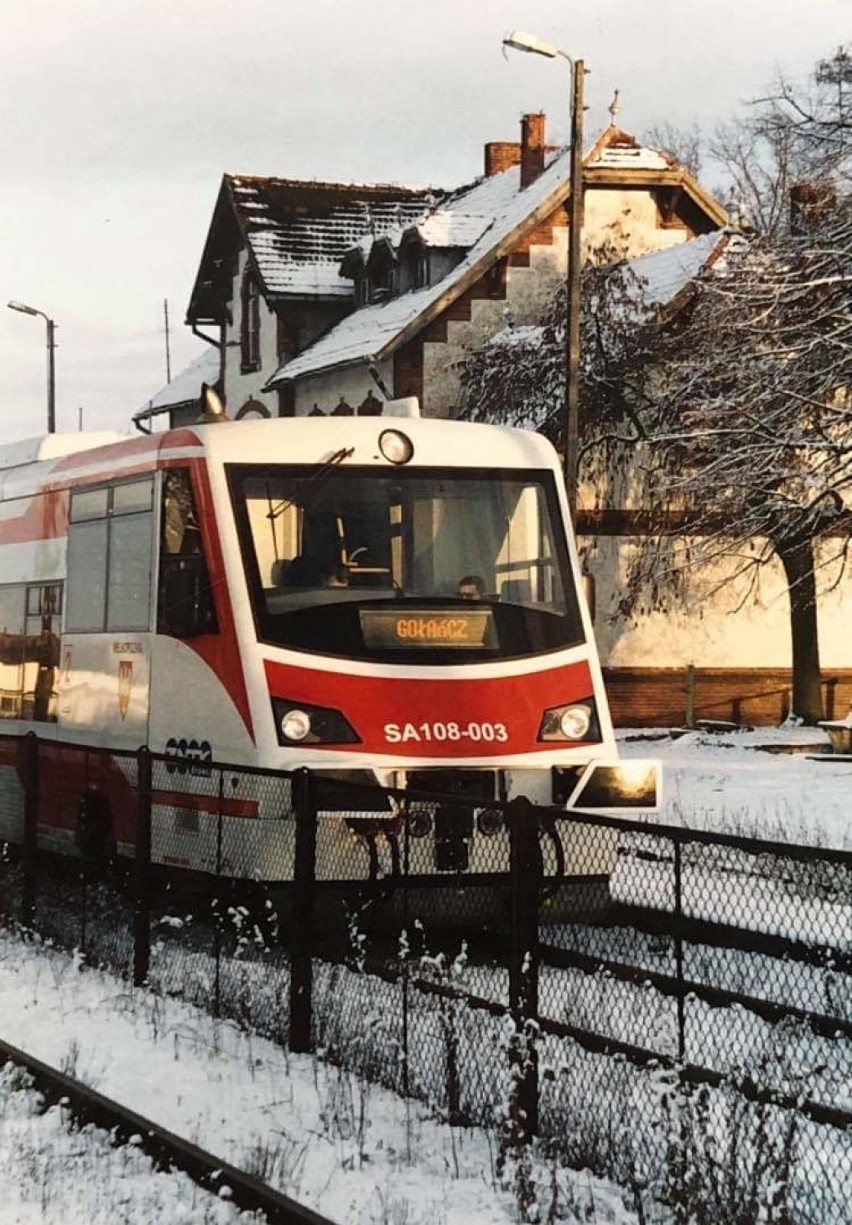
(773, 783)
(349, 1149)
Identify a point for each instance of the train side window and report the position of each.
(29, 650)
(12, 638)
(87, 574)
(41, 652)
(109, 557)
(185, 605)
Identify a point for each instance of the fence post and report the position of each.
(690, 695)
(301, 923)
(219, 906)
(142, 870)
(29, 849)
(525, 872)
(678, 902)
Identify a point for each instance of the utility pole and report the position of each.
(168, 354)
(572, 327)
(521, 40)
(24, 309)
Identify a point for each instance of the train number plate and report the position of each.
(441, 733)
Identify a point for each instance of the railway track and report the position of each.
(167, 1150)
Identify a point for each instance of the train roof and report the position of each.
(436, 442)
(53, 446)
(32, 463)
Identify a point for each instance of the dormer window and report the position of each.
(249, 324)
(413, 262)
(381, 272)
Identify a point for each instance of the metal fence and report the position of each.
(666, 1007)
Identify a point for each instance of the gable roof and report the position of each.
(616, 158)
(493, 215)
(296, 233)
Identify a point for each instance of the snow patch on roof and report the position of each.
(297, 244)
(186, 385)
(665, 273)
(451, 229)
(622, 157)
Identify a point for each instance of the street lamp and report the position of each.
(519, 40)
(51, 367)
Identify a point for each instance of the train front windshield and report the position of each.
(428, 567)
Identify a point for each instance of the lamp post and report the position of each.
(51, 366)
(521, 41)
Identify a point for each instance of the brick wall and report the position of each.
(657, 697)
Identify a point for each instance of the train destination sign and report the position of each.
(402, 629)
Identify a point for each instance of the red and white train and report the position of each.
(391, 600)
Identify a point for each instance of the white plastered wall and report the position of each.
(630, 219)
(352, 384)
(715, 630)
(241, 387)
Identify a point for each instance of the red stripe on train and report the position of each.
(414, 718)
(206, 803)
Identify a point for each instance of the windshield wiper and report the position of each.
(313, 482)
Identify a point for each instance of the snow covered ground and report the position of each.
(773, 783)
(328, 1138)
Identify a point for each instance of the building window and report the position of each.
(249, 325)
(381, 270)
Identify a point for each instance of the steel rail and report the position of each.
(167, 1150)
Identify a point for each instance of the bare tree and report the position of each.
(733, 416)
(685, 145)
(749, 431)
(790, 135)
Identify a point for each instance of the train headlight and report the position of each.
(295, 725)
(572, 721)
(300, 722)
(396, 447)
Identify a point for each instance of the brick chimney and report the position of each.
(532, 147)
(810, 203)
(501, 155)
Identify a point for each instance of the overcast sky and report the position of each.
(119, 120)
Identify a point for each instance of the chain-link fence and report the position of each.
(669, 1008)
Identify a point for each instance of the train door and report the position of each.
(105, 651)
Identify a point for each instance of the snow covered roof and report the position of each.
(449, 228)
(661, 275)
(185, 386)
(296, 232)
(487, 218)
(620, 151)
(665, 273)
(504, 212)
